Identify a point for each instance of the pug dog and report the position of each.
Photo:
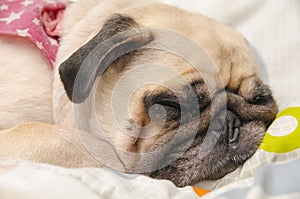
(148, 88)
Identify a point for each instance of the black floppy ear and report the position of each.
(118, 36)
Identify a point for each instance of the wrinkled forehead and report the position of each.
(163, 69)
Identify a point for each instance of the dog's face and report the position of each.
(168, 118)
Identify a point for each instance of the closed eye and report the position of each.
(170, 104)
(161, 104)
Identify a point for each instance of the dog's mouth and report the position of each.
(221, 145)
(204, 145)
(224, 148)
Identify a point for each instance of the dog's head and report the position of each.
(185, 116)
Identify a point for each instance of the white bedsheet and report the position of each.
(26, 180)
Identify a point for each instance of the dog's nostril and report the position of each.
(234, 135)
(237, 123)
(228, 125)
(233, 127)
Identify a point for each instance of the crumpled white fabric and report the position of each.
(27, 180)
(276, 181)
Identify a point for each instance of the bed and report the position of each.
(273, 172)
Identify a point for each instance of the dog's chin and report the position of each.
(197, 164)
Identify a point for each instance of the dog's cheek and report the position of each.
(191, 167)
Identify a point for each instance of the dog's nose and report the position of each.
(228, 124)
